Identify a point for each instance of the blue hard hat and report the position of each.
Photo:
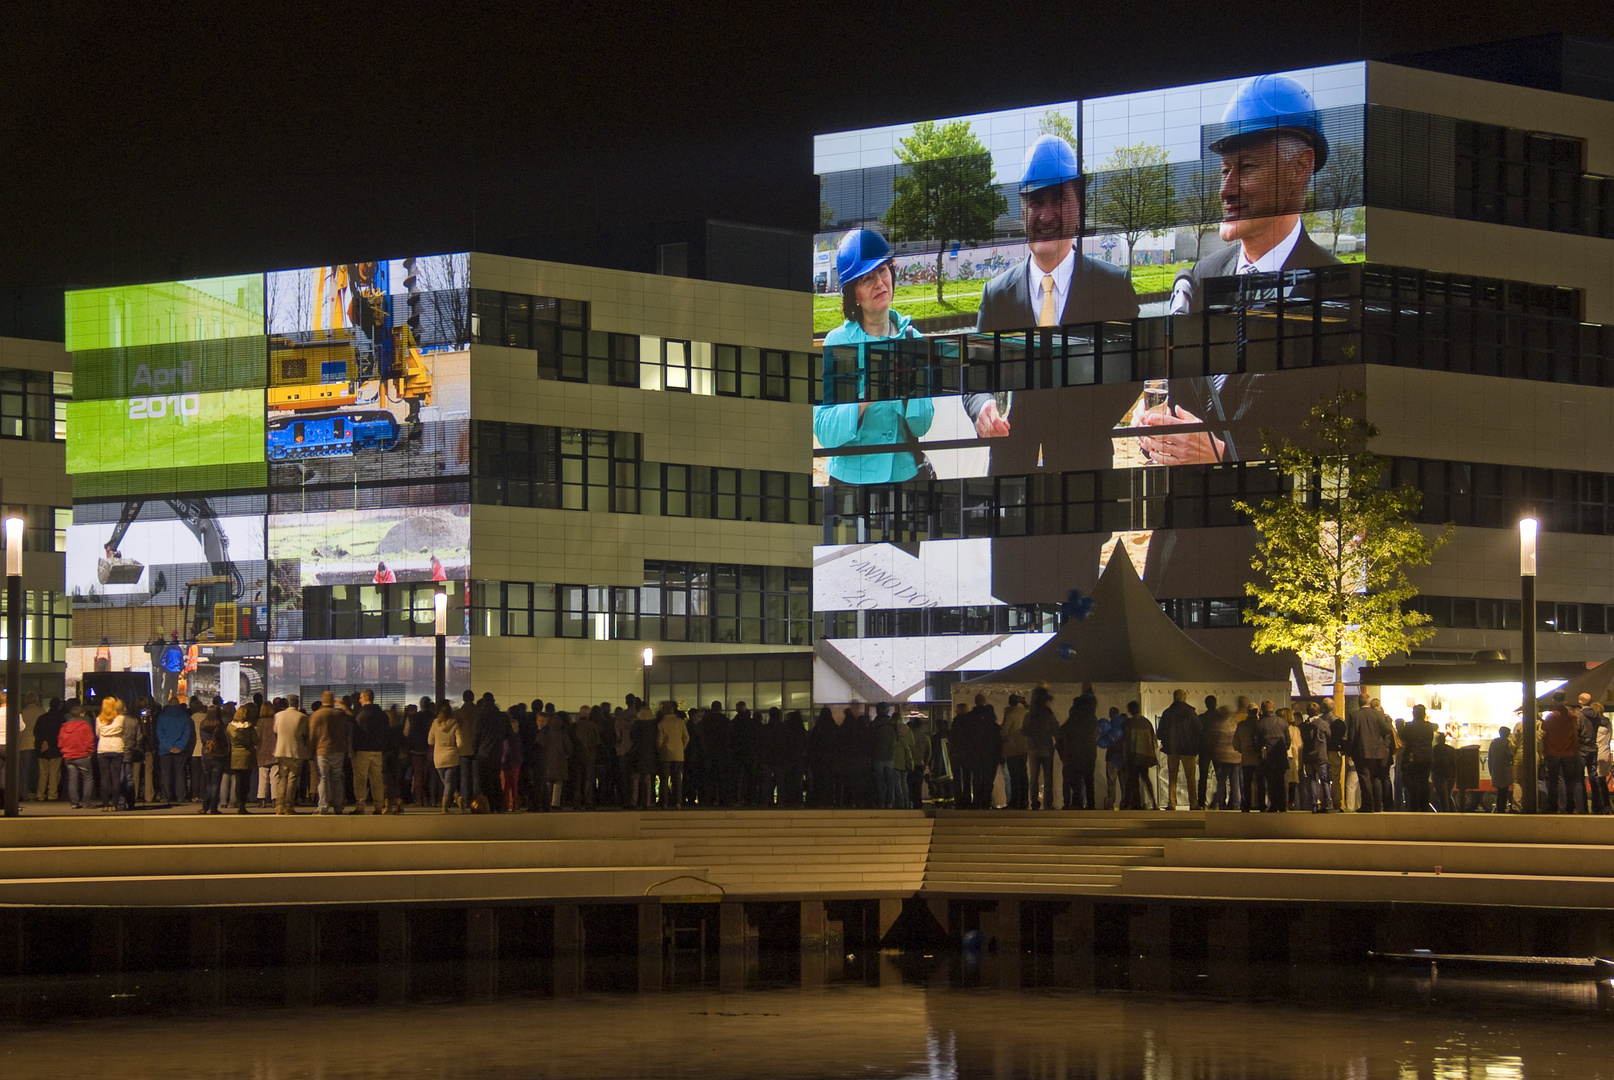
(1267, 104)
(861, 251)
(1049, 161)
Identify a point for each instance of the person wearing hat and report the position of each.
(1054, 284)
(868, 284)
(1271, 145)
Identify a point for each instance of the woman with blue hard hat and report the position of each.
(868, 285)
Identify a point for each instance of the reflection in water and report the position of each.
(882, 1016)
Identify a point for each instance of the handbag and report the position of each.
(921, 461)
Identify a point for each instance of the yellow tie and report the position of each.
(1048, 317)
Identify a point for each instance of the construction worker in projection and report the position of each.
(846, 420)
(1271, 144)
(1054, 284)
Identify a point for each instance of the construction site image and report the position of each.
(369, 372)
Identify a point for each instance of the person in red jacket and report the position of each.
(1560, 737)
(77, 740)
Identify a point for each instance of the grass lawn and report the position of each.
(919, 301)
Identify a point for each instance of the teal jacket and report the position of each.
(883, 423)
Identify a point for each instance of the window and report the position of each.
(675, 361)
(47, 627)
(404, 609)
(33, 404)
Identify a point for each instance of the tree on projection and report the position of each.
(1054, 122)
(1132, 195)
(1201, 203)
(947, 193)
(1334, 191)
(1334, 551)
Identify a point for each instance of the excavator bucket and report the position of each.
(119, 571)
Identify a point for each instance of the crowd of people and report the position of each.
(351, 755)
(480, 756)
(1266, 758)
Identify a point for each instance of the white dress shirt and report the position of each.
(1061, 276)
(1272, 261)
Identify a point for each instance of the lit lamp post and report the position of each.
(441, 601)
(1527, 655)
(13, 663)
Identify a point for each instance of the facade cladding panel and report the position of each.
(279, 471)
(1086, 354)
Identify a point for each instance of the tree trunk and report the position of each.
(1339, 685)
(941, 254)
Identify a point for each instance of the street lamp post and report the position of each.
(13, 664)
(1527, 654)
(440, 600)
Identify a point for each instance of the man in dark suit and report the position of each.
(1271, 146)
(1055, 284)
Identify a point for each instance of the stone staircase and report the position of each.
(799, 854)
(1465, 859)
(997, 852)
(151, 861)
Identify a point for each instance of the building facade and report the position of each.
(1450, 260)
(36, 382)
(608, 474)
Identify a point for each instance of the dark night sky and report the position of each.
(147, 140)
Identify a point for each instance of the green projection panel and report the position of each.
(165, 313)
(177, 431)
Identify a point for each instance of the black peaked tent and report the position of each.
(1129, 650)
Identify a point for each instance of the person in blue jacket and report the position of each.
(868, 284)
(176, 737)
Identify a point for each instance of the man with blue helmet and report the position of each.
(868, 284)
(1271, 144)
(1055, 284)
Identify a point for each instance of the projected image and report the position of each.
(369, 371)
(169, 570)
(1091, 210)
(400, 671)
(165, 431)
(939, 573)
(1197, 420)
(232, 672)
(372, 547)
(164, 313)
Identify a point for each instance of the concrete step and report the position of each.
(1427, 828)
(944, 845)
(1395, 856)
(312, 857)
(1364, 887)
(1041, 860)
(364, 887)
(265, 827)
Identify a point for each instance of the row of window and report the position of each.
(1489, 613)
(1047, 504)
(404, 609)
(33, 404)
(1259, 323)
(1200, 496)
(44, 527)
(942, 621)
(583, 469)
(47, 627)
(679, 601)
(558, 331)
(1497, 496)
(1483, 172)
(1213, 613)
